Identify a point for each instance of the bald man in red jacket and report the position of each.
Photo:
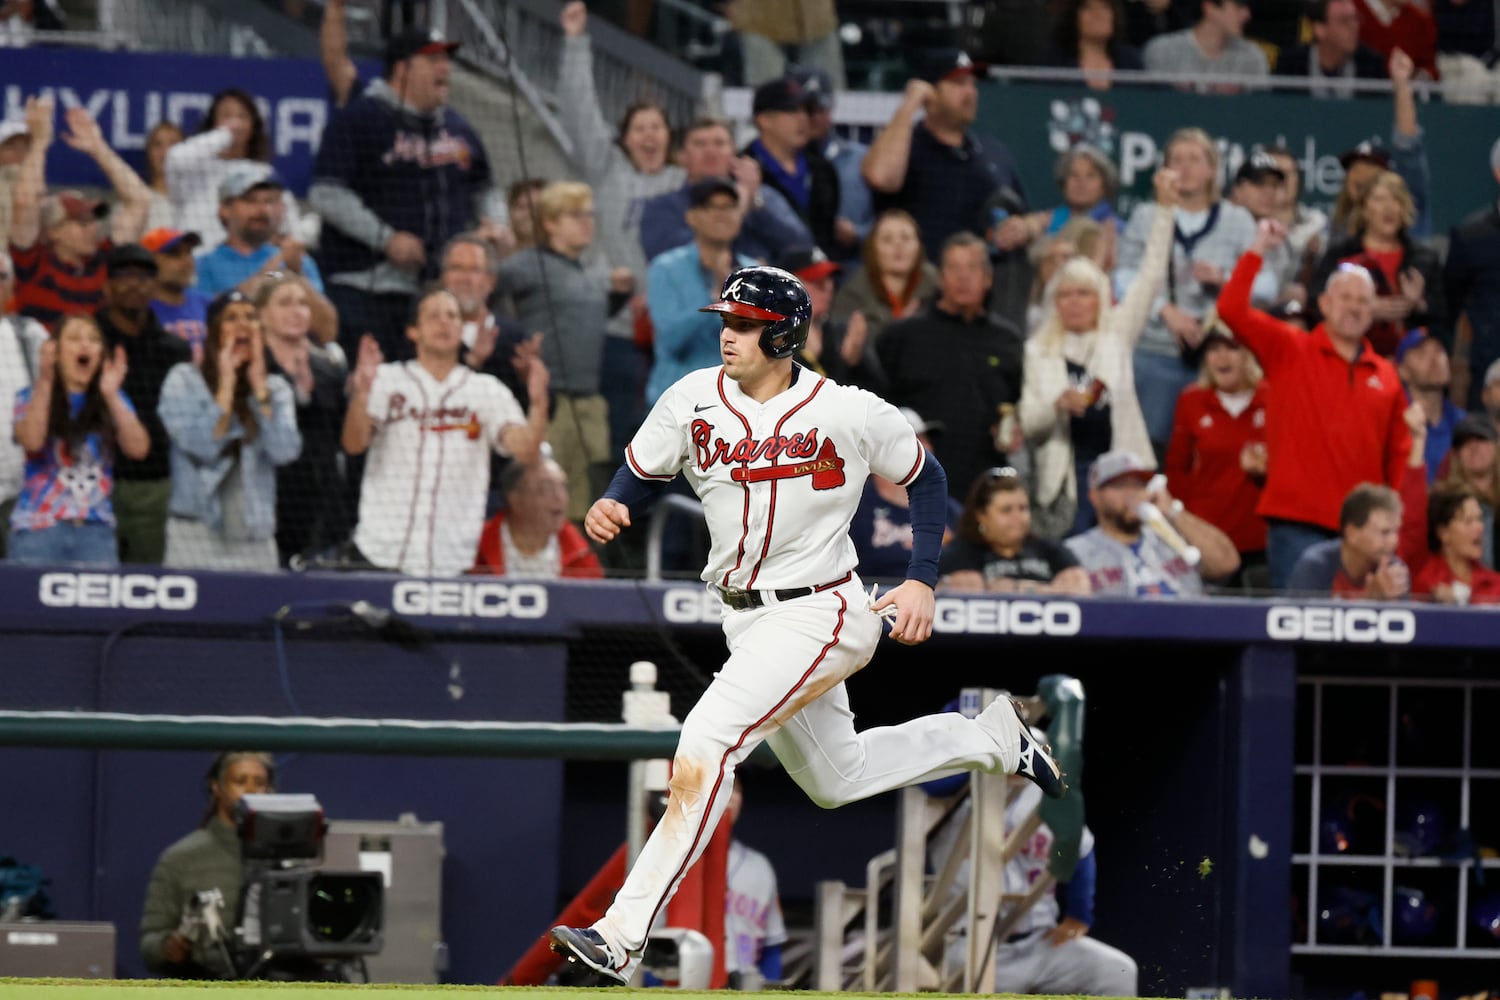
(1334, 409)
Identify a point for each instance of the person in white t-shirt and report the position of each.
(754, 930)
(429, 425)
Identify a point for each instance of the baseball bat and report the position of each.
(1152, 517)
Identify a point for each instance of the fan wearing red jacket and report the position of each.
(532, 536)
(1333, 408)
(1216, 461)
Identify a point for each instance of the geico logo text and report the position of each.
(1019, 617)
(136, 591)
(469, 600)
(1317, 624)
(684, 606)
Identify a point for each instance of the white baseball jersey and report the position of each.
(421, 508)
(752, 908)
(779, 481)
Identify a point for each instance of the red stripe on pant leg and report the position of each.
(719, 781)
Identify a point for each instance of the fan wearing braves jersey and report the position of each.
(779, 456)
(429, 425)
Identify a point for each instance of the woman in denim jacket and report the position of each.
(231, 425)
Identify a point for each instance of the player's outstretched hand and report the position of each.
(914, 606)
(605, 519)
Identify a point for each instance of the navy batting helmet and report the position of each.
(774, 297)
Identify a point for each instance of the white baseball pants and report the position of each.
(783, 682)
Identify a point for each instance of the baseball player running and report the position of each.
(779, 456)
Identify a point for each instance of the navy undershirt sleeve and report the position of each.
(928, 494)
(633, 491)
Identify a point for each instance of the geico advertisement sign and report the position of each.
(135, 591)
(469, 600)
(682, 606)
(1289, 623)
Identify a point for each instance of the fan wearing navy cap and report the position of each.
(940, 170)
(142, 485)
(1422, 362)
(398, 175)
(678, 281)
(856, 207)
(789, 163)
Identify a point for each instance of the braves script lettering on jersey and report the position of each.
(421, 508)
(780, 481)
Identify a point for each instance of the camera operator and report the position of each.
(193, 898)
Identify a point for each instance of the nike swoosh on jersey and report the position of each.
(705, 406)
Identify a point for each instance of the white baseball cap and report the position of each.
(1492, 373)
(11, 128)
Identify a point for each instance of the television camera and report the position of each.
(296, 921)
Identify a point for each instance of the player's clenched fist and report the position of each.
(605, 519)
(915, 608)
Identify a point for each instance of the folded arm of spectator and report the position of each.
(330, 194)
(31, 183)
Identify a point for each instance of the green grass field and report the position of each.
(157, 989)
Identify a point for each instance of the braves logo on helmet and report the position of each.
(774, 297)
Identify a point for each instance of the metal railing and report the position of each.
(667, 505)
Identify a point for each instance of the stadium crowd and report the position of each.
(417, 370)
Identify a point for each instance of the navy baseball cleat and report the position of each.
(586, 947)
(1036, 763)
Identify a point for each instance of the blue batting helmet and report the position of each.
(774, 297)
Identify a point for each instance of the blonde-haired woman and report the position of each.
(1078, 396)
(1408, 275)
